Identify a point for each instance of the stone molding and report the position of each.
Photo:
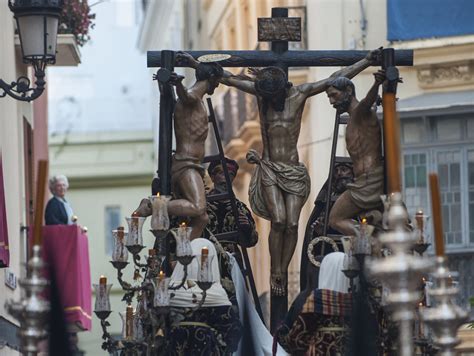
(446, 74)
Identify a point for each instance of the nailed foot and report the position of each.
(278, 284)
(144, 209)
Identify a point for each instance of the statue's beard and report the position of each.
(343, 105)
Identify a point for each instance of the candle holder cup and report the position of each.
(135, 249)
(421, 247)
(102, 314)
(159, 218)
(119, 265)
(135, 227)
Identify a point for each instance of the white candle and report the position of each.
(159, 218)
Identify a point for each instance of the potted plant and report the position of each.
(76, 19)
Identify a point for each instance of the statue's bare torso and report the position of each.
(191, 128)
(281, 129)
(363, 141)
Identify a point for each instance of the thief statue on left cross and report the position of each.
(191, 129)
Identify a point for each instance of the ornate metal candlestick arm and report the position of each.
(445, 318)
(401, 272)
(136, 261)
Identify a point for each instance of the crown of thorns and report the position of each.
(270, 80)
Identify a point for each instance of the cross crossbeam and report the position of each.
(333, 58)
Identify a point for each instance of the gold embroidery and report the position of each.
(78, 308)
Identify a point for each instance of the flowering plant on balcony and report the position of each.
(76, 19)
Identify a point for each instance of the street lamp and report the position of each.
(37, 24)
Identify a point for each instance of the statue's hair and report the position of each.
(270, 81)
(206, 71)
(52, 182)
(341, 83)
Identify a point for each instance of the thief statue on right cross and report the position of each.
(280, 183)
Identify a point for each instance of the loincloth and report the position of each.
(292, 179)
(367, 189)
(181, 164)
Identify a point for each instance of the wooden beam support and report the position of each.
(334, 58)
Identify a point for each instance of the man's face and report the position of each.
(60, 189)
(342, 175)
(339, 99)
(218, 176)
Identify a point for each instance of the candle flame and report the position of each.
(364, 221)
(183, 224)
(158, 194)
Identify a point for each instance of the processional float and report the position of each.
(400, 271)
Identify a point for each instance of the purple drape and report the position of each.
(4, 248)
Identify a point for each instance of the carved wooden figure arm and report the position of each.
(372, 94)
(182, 92)
(310, 89)
(231, 80)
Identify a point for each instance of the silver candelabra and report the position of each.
(32, 310)
(444, 318)
(401, 272)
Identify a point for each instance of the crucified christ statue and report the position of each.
(280, 184)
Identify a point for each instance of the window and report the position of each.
(442, 144)
(112, 221)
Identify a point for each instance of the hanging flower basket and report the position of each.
(76, 19)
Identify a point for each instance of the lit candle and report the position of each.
(135, 220)
(421, 329)
(436, 209)
(204, 270)
(102, 302)
(162, 297)
(129, 322)
(120, 232)
(204, 255)
(159, 217)
(103, 280)
(391, 141)
(419, 222)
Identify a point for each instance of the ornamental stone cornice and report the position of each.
(446, 74)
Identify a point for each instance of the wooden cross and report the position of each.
(279, 30)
